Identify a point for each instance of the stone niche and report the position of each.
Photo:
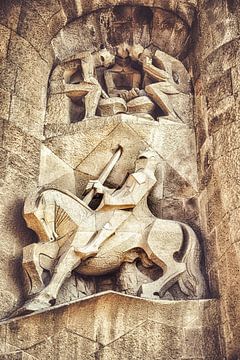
(75, 141)
(119, 102)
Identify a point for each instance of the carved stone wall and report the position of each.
(216, 72)
(27, 59)
(116, 326)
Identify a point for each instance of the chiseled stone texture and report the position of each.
(26, 61)
(115, 326)
(27, 32)
(216, 70)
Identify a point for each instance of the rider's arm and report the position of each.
(133, 190)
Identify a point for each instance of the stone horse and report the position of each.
(64, 224)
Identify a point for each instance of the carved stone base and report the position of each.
(113, 326)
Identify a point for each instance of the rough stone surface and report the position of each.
(217, 103)
(30, 33)
(115, 326)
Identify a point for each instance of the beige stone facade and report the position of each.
(188, 113)
(116, 326)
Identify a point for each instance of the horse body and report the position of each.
(61, 218)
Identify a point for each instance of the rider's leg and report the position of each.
(113, 220)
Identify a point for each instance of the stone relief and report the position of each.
(109, 229)
(138, 81)
(127, 104)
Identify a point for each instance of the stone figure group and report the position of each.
(136, 81)
(108, 227)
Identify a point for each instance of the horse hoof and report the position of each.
(30, 307)
(145, 291)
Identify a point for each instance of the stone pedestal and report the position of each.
(113, 326)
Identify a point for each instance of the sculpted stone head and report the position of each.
(136, 51)
(107, 59)
(123, 50)
(147, 158)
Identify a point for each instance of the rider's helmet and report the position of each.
(148, 153)
(147, 157)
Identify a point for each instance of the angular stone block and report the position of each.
(55, 172)
(116, 326)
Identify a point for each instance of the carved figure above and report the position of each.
(75, 237)
(90, 87)
(141, 82)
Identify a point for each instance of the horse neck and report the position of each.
(142, 209)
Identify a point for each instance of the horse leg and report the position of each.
(38, 257)
(157, 288)
(163, 241)
(67, 262)
(128, 278)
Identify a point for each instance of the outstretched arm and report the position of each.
(134, 188)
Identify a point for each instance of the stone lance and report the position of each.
(104, 174)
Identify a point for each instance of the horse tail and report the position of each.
(192, 282)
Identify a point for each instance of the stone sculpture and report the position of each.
(73, 236)
(90, 87)
(139, 82)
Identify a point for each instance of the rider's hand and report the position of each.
(95, 184)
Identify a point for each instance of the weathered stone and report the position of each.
(5, 37)
(26, 117)
(220, 60)
(5, 100)
(219, 89)
(46, 9)
(9, 13)
(71, 150)
(167, 24)
(37, 35)
(220, 25)
(8, 73)
(58, 108)
(25, 56)
(176, 186)
(226, 140)
(56, 22)
(214, 213)
(34, 90)
(62, 176)
(212, 35)
(3, 162)
(222, 119)
(87, 325)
